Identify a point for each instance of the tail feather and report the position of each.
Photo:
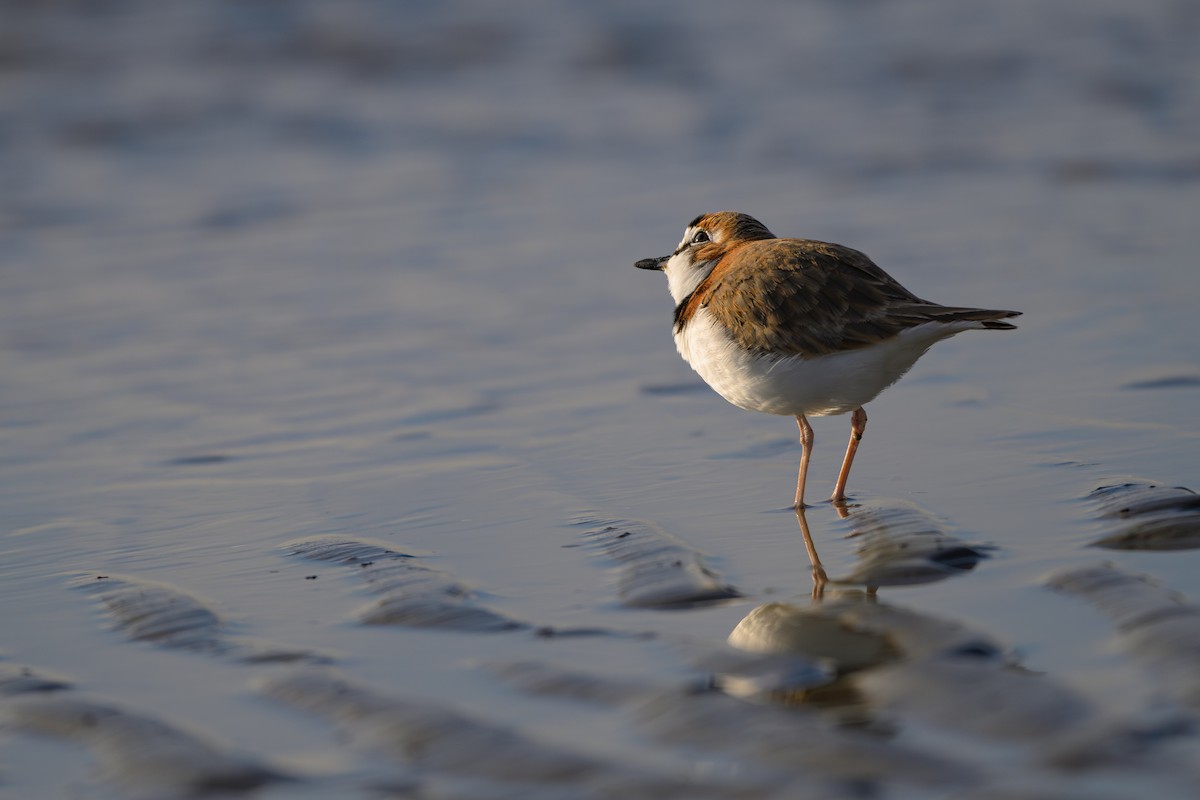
(997, 325)
(989, 318)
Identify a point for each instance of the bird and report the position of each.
(799, 327)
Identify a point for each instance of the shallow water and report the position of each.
(282, 271)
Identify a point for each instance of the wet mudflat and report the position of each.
(346, 454)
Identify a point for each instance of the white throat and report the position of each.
(683, 276)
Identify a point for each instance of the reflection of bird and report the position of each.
(821, 632)
(797, 327)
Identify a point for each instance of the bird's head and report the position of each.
(705, 241)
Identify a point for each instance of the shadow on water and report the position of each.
(890, 669)
(1146, 516)
(845, 626)
(897, 544)
(844, 694)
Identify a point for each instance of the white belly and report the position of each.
(790, 385)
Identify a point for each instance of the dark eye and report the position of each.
(700, 238)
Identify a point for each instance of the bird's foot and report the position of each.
(842, 506)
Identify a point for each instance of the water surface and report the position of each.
(286, 271)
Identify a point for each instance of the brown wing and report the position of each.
(809, 298)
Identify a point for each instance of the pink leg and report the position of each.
(806, 443)
(858, 424)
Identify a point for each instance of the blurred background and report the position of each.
(280, 268)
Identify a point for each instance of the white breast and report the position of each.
(791, 385)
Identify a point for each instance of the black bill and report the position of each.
(652, 263)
